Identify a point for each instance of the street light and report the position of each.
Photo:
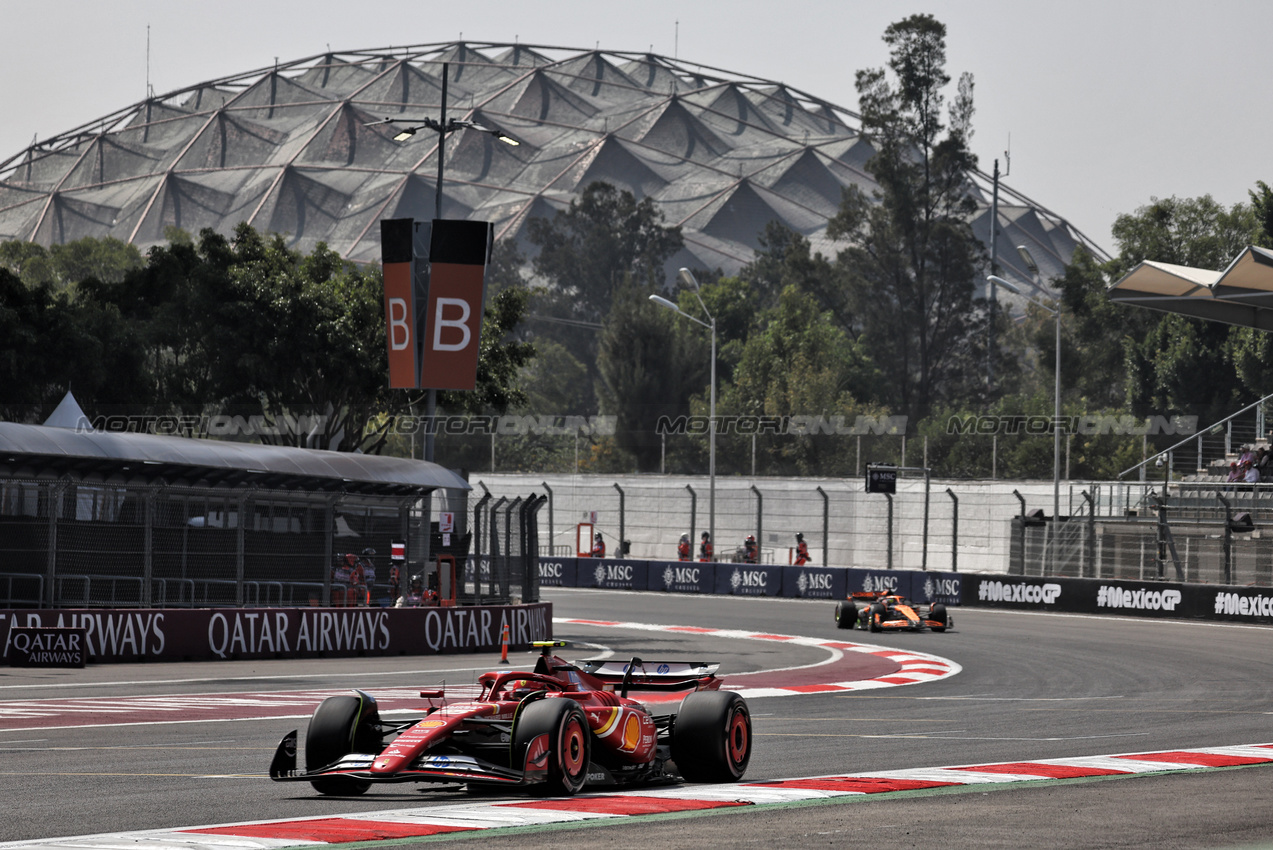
(687, 277)
(442, 127)
(1056, 410)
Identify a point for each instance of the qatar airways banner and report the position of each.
(244, 633)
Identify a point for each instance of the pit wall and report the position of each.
(210, 634)
(1163, 600)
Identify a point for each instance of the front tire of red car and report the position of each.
(569, 742)
(711, 740)
(333, 731)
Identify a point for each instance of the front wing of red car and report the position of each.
(428, 768)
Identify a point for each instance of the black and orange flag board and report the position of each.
(458, 251)
(396, 236)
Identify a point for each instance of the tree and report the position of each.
(798, 364)
(649, 368)
(912, 259)
(605, 240)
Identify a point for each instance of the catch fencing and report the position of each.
(1110, 530)
(73, 544)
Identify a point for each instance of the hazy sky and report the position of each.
(1106, 104)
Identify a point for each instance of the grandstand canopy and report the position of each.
(286, 149)
(1241, 294)
(38, 451)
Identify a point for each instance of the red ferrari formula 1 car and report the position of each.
(881, 611)
(559, 727)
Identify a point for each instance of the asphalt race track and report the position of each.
(1031, 687)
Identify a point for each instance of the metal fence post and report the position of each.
(954, 531)
(148, 547)
(1227, 545)
(618, 547)
(826, 526)
(889, 496)
(693, 519)
(1089, 545)
(551, 538)
(760, 518)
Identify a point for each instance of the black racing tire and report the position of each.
(877, 610)
(569, 742)
(333, 733)
(711, 738)
(846, 614)
(938, 615)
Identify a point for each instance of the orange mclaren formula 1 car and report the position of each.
(881, 611)
(558, 728)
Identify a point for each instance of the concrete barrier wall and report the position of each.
(807, 582)
(1070, 595)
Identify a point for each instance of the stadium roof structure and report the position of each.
(286, 149)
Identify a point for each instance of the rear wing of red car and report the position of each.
(641, 675)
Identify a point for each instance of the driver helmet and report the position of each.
(369, 551)
(598, 537)
(751, 538)
(706, 535)
(523, 688)
(685, 538)
(799, 535)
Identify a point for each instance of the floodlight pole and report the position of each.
(442, 127)
(688, 278)
(1056, 411)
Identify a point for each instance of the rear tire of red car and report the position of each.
(711, 739)
(846, 615)
(938, 615)
(333, 733)
(569, 742)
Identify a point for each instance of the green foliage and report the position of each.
(107, 260)
(912, 261)
(245, 326)
(604, 241)
(648, 370)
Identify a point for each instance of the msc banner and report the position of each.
(681, 576)
(558, 572)
(749, 579)
(611, 573)
(234, 633)
(814, 582)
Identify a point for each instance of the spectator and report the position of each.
(414, 597)
(1247, 457)
(598, 546)
(1234, 473)
(1252, 475)
(683, 548)
(1262, 461)
(705, 548)
(802, 550)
